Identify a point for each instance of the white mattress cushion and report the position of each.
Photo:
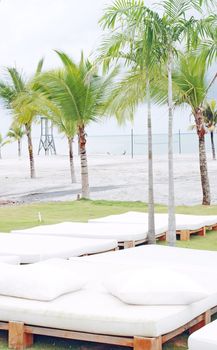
(10, 259)
(183, 222)
(40, 281)
(121, 232)
(154, 286)
(33, 248)
(205, 338)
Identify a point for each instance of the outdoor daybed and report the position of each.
(185, 224)
(126, 235)
(35, 248)
(93, 313)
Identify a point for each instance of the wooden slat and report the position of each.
(182, 329)
(97, 338)
(213, 310)
(4, 326)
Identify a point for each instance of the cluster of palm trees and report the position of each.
(167, 57)
(144, 57)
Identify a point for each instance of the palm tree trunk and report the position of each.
(171, 234)
(30, 150)
(19, 148)
(71, 159)
(198, 115)
(204, 172)
(151, 222)
(85, 191)
(213, 145)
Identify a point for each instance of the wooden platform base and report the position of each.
(20, 336)
(186, 234)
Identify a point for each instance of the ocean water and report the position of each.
(183, 143)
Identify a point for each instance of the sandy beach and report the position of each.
(110, 177)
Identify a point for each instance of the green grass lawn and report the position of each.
(24, 216)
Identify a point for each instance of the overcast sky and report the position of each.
(31, 29)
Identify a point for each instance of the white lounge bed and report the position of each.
(205, 338)
(35, 248)
(185, 224)
(126, 235)
(92, 314)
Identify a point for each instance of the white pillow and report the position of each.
(42, 281)
(154, 286)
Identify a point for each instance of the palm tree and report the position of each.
(17, 93)
(210, 114)
(16, 133)
(68, 127)
(176, 29)
(168, 31)
(81, 95)
(136, 42)
(190, 87)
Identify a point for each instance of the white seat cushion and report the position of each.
(205, 338)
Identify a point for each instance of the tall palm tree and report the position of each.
(210, 114)
(16, 93)
(136, 42)
(190, 87)
(16, 133)
(81, 95)
(177, 29)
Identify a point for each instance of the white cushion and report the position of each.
(10, 259)
(205, 338)
(154, 286)
(31, 249)
(40, 281)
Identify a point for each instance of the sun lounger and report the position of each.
(35, 248)
(185, 224)
(205, 338)
(91, 314)
(126, 235)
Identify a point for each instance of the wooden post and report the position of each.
(129, 244)
(17, 338)
(147, 343)
(202, 232)
(184, 235)
(206, 320)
